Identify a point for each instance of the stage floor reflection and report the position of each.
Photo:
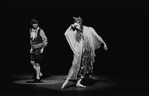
(54, 82)
(50, 85)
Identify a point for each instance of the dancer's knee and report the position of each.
(32, 62)
(37, 64)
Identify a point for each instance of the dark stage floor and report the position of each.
(16, 85)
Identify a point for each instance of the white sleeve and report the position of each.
(32, 34)
(68, 31)
(69, 34)
(95, 39)
(96, 35)
(42, 34)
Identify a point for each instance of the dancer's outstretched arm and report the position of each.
(99, 38)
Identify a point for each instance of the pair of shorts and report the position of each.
(36, 55)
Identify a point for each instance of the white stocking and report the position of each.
(38, 71)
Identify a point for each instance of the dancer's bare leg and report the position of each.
(65, 83)
(71, 72)
(68, 78)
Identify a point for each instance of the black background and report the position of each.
(123, 24)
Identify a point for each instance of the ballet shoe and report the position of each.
(36, 80)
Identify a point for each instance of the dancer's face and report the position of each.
(35, 25)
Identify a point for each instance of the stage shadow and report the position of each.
(92, 82)
(34, 82)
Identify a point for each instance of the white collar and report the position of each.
(36, 28)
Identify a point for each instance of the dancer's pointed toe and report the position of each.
(62, 87)
(64, 84)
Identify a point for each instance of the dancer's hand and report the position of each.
(41, 51)
(105, 47)
(45, 44)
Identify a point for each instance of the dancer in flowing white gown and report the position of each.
(83, 41)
